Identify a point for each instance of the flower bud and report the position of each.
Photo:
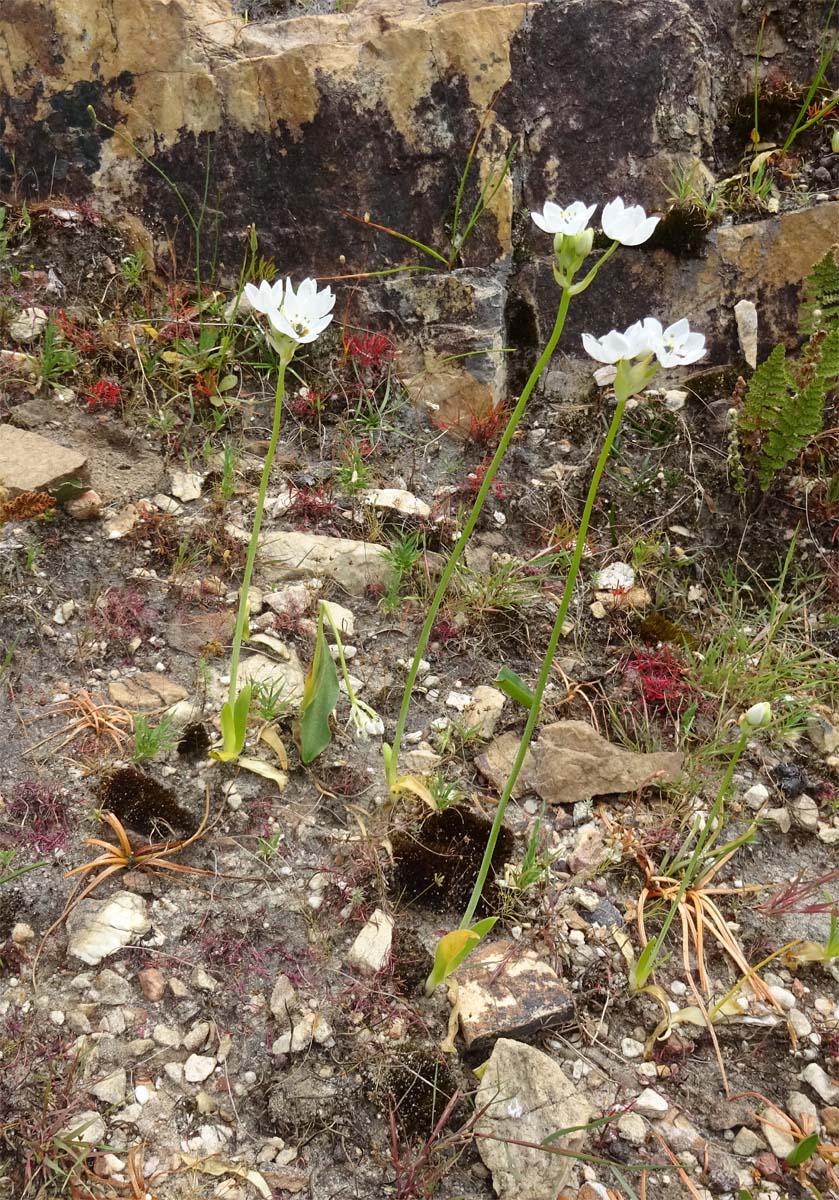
(757, 717)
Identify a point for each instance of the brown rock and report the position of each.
(508, 991)
(31, 463)
(571, 762)
(146, 690)
(152, 984)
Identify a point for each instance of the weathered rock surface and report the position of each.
(509, 992)
(146, 690)
(351, 564)
(527, 1098)
(571, 762)
(97, 928)
(31, 463)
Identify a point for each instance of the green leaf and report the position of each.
(805, 1149)
(319, 699)
(69, 490)
(234, 723)
(513, 685)
(453, 948)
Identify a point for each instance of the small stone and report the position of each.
(97, 928)
(22, 933)
(397, 500)
(745, 315)
(458, 700)
(344, 618)
(164, 1035)
(800, 1023)
(111, 1089)
(651, 1104)
(186, 485)
(283, 1000)
(57, 1016)
(747, 1143)
(422, 760)
(484, 710)
(152, 984)
(198, 1067)
(632, 1128)
(175, 1071)
(805, 812)
(146, 690)
(775, 1127)
(802, 1110)
(202, 980)
(779, 817)
(86, 507)
(371, 949)
(28, 325)
(820, 1082)
(756, 796)
(197, 1036)
(85, 1127)
(312, 1028)
(630, 1048)
(830, 1119)
(142, 1094)
(784, 996)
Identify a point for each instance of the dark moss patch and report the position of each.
(437, 867)
(411, 961)
(658, 628)
(195, 741)
(144, 805)
(683, 230)
(419, 1086)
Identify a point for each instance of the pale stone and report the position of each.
(777, 1131)
(283, 1000)
(396, 499)
(311, 1028)
(371, 949)
(97, 928)
(484, 710)
(146, 690)
(343, 617)
(28, 325)
(353, 565)
(111, 1089)
(86, 1127)
(745, 316)
(747, 1143)
(820, 1082)
(571, 762)
(632, 1128)
(756, 796)
(651, 1103)
(805, 812)
(31, 463)
(524, 1096)
(186, 485)
(198, 1067)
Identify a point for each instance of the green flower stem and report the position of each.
(324, 612)
(547, 663)
(242, 614)
(463, 540)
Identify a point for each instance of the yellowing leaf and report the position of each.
(217, 1167)
(415, 786)
(269, 734)
(257, 767)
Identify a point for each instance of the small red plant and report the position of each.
(368, 349)
(39, 816)
(103, 394)
(311, 505)
(121, 614)
(474, 481)
(445, 630)
(661, 678)
(305, 404)
(85, 340)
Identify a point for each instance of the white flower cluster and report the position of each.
(300, 316)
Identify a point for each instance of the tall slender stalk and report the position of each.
(547, 663)
(241, 616)
(463, 540)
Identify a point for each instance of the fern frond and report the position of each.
(820, 306)
(770, 389)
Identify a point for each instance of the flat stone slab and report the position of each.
(31, 463)
(353, 565)
(571, 762)
(146, 690)
(507, 991)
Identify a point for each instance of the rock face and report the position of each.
(571, 762)
(527, 1098)
(31, 463)
(374, 111)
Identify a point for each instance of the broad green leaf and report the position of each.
(241, 708)
(805, 1149)
(513, 685)
(453, 948)
(319, 699)
(233, 720)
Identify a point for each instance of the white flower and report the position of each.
(676, 346)
(265, 298)
(758, 716)
(629, 226)
(567, 221)
(367, 722)
(301, 316)
(632, 343)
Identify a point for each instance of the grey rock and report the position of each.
(111, 1089)
(526, 1097)
(571, 762)
(31, 463)
(371, 949)
(353, 565)
(97, 928)
(283, 1000)
(198, 1067)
